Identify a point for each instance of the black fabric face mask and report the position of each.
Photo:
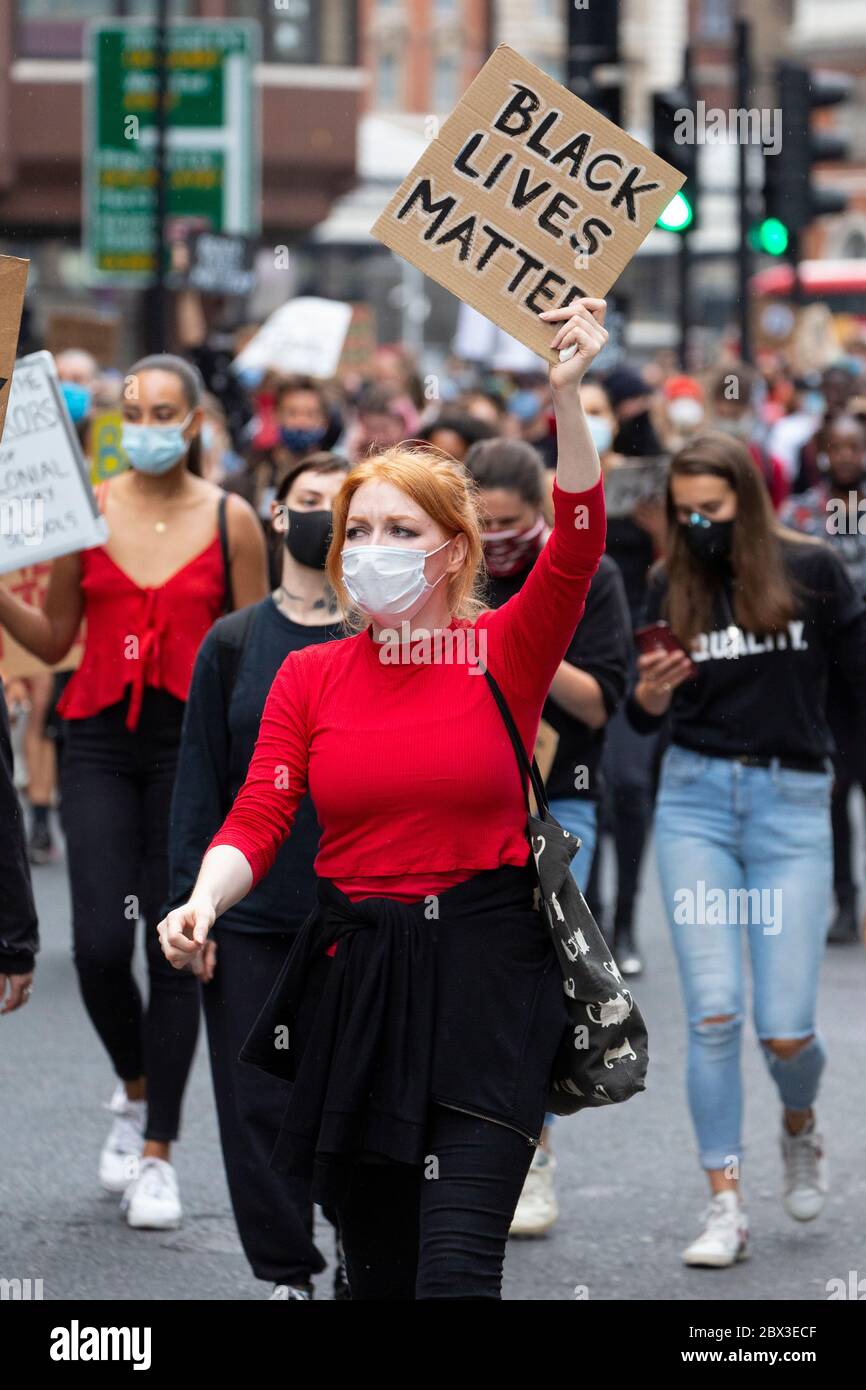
(309, 537)
(710, 542)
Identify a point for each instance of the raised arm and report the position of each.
(244, 848)
(530, 634)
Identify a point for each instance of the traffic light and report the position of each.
(681, 213)
(771, 236)
(592, 41)
(792, 198)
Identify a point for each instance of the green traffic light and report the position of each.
(773, 237)
(677, 216)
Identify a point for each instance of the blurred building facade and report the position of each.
(310, 87)
(353, 90)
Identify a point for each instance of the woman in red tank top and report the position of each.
(179, 553)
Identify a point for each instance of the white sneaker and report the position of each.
(537, 1208)
(118, 1162)
(806, 1177)
(725, 1236)
(153, 1200)
(291, 1293)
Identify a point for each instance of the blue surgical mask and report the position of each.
(525, 405)
(77, 399)
(301, 441)
(250, 378)
(154, 448)
(814, 403)
(601, 431)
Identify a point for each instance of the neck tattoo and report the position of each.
(327, 601)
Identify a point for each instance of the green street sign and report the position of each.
(212, 141)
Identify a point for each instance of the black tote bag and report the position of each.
(602, 1059)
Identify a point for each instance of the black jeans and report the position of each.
(849, 768)
(274, 1212)
(115, 798)
(440, 1231)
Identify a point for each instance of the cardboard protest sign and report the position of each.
(31, 585)
(47, 507)
(98, 334)
(13, 282)
(360, 342)
(527, 200)
(305, 335)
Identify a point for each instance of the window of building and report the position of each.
(445, 79)
(56, 28)
(386, 80)
(715, 20)
(94, 9)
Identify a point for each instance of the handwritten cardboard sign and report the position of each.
(47, 507)
(13, 282)
(527, 200)
(98, 334)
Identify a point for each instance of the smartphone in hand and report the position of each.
(658, 637)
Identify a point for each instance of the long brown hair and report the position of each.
(444, 490)
(763, 596)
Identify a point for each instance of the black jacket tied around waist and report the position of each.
(455, 999)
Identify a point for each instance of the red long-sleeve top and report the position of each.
(410, 768)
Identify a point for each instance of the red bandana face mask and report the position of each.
(509, 552)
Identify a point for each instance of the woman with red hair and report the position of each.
(420, 1011)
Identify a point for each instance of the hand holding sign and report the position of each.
(579, 339)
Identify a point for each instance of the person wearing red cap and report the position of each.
(682, 411)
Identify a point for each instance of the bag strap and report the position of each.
(527, 769)
(231, 640)
(222, 527)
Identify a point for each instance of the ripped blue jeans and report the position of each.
(744, 850)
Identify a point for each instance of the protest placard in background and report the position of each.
(104, 446)
(305, 335)
(13, 282)
(220, 264)
(47, 507)
(98, 334)
(527, 200)
(633, 482)
(31, 585)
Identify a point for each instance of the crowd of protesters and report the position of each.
(749, 544)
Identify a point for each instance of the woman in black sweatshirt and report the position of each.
(234, 669)
(743, 812)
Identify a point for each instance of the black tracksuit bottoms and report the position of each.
(273, 1211)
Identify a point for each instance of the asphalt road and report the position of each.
(629, 1186)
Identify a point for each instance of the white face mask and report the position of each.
(384, 580)
(601, 431)
(685, 412)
